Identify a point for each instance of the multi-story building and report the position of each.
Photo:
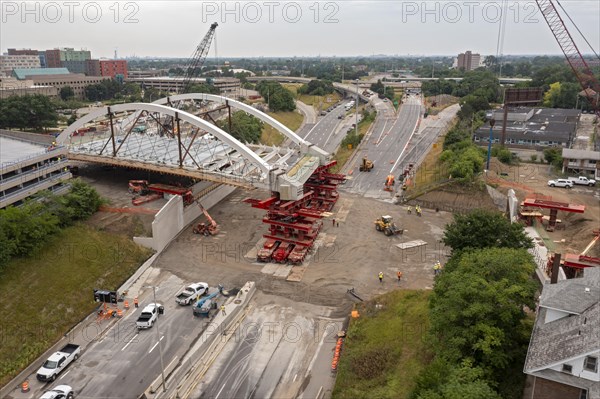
(12, 51)
(564, 350)
(113, 68)
(73, 60)
(10, 86)
(28, 167)
(468, 61)
(92, 68)
(581, 162)
(10, 62)
(77, 81)
(172, 85)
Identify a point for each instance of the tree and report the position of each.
(202, 88)
(244, 127)
(477, 307)
(553, 156)
(453, 382)
(483, 229)
(278, 97)
(66, 93)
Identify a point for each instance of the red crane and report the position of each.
(582, 71)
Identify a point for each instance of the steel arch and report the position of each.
(250, 155)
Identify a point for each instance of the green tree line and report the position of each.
(479, 330)
(278, 97)
(25, 229)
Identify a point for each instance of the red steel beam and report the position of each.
(561, 206)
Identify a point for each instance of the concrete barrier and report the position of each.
(183, 379)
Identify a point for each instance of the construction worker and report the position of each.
(436, 268)
(418, 210)
(399, 274)
(381, 277)
(333, 222)
(135, 302)
(223, 310)
(409, 209)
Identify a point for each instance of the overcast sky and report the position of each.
(286, 29)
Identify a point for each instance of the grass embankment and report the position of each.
(43, 296)
(319, 103)
(344, 153)
(271, 136)
(384, 350)
(430, 171)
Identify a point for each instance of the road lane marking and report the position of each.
(220, 390)
(130, 341)
(151, 349)
(404, 149)
(64, 375)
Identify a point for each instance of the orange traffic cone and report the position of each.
(126, 304)
(25, 386)
(119, 313)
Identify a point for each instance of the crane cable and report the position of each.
(501, 34)
(576, 27)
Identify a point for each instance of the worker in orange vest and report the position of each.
(135, 302)
(399, 274)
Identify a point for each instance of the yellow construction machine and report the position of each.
(366, 165)
(387, 225)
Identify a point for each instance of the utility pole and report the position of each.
(357, 99)
(162, 364)
(489, 152)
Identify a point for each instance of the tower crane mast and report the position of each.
(582, 71)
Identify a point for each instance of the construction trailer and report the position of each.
(293, 225)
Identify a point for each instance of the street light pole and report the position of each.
(162, 364)
(489, 154)
(356, 125)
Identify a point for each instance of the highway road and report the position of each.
(273, 353)
(125, 361)
(386, 146)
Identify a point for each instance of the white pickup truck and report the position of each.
(57, 362)
(191, 293)
(59, 392)
(582, 180)
(149, 315)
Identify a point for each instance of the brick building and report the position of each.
(113, 68)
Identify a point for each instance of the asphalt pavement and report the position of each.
(386, 146)
(124, 362)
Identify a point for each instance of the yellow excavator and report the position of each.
(366, 165)
(387, 225)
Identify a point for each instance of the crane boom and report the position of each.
(195, 63)
(582, 71)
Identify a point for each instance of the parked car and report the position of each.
(560, 183)
(59, 392)
(57, 362)
(191, 293)
(582, 180)
(149, 315)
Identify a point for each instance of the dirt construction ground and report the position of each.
(530, 181)
(350, 255)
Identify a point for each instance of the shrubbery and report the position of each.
(25, 229)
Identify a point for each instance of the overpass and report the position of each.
(165, 139)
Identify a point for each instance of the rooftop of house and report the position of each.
(571, 336)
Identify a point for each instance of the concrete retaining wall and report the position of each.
(174, 217)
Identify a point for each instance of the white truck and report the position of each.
(191, 293)
(149, 315)
(57, 362)
(59, 392)
(582, 180)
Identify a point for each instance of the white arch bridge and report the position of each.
(161, 138)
